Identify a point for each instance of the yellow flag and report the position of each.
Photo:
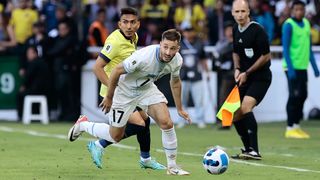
(230, 105)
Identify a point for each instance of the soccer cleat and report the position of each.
(96, 154)
(74, 131)
(252, 155)
(303, 133)
(152, 164)
(240, 155)
(177, 171)
(294, 133)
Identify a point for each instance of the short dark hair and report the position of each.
(172, 35)
(298, 2)
(129, 10)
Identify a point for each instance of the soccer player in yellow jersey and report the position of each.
(119, 45)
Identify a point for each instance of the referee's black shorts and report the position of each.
(255, 88)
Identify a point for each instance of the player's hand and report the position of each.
(106, 104)
(242, 78)
(185, 116)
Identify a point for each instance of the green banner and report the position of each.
(9, 81)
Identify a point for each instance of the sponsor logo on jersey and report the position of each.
(108, 48)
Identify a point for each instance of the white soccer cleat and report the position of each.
(74, 131)
(177, 171)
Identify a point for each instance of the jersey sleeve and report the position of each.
(132, 63)
(110, 50)
(262, 41)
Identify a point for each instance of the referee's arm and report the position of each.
(262, 60)
(236, 63)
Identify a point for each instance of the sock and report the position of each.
(296, 126)
(241, 128)
(97, 143)
(169, 142)
(145, 156)
(104, 143)
(132, 129)
(99, 130)
(143, 137)
(252, 129)
(289, 128)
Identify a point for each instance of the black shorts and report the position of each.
(256, 89)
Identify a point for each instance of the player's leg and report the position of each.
(254, 95)
(302, 97)
(140, 125)
(292, 109)
(160, 113)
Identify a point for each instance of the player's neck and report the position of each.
(244, 25)
(127, 37)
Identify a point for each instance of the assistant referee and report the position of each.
(251, 59)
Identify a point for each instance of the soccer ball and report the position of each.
(215, 161)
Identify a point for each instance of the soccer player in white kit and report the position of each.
(131, 85)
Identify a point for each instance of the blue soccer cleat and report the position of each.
(96, 154)
(152, 164)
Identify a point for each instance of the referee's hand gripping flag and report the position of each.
(230, 105)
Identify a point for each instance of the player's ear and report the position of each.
(138, 24)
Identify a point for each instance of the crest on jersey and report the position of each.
(134, 62)
(108, 48)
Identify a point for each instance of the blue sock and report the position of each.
(104, 143)
(145, 155)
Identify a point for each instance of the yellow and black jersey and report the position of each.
(116, 49)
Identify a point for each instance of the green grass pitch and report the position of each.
(39, 152)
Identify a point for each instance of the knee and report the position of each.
(244, 110)
(168, 124)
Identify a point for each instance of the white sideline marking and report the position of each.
(60, 136)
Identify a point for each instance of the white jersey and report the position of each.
(144, 67)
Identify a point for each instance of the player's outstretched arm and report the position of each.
(175, 84)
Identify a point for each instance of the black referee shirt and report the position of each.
(250, 43)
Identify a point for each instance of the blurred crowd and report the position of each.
(58, 33)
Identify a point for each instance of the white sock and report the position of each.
(296, 126)
(98, 130)
(97, 143)
(169, 142)
(289, 128)
(145, 159)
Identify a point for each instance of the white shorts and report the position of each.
(124, 105)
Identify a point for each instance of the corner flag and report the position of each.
(230, 105)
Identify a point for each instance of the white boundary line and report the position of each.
(60, 136)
